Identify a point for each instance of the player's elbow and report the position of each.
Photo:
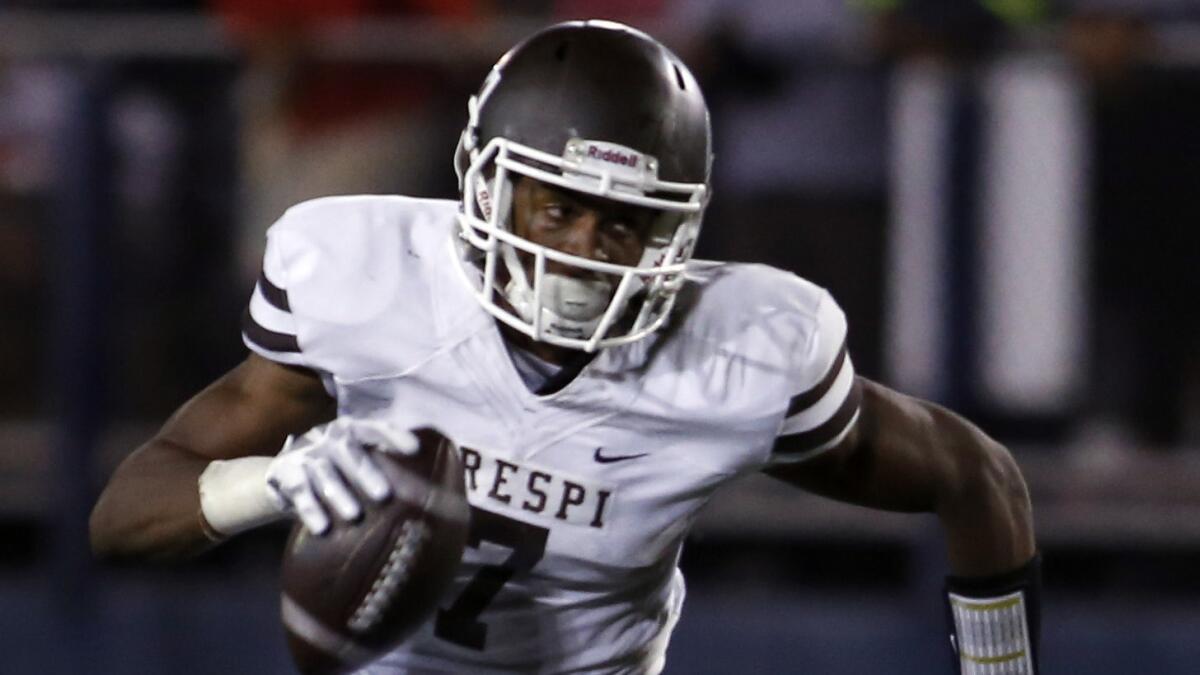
(118, 533)
(983, 504)
(104, 533)
(113, 534)
(991, 471)
(982, 476)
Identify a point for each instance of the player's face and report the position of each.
(578, 224)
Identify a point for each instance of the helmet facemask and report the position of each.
(599, 304)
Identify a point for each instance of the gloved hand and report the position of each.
(329, 466)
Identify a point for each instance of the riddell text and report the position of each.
(612, 156)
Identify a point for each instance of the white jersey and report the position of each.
(581, 498)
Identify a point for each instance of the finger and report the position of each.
(356, 464)
(387, 437)
(333, 490)
(297, 443)
(309, 510)
(340, 427)
(290, 444)
(285, 477)
(276, 495)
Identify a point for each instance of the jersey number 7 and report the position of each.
(460, 623)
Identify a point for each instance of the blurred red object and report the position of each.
(248, 19)
(323, 95)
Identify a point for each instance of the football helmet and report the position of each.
(602, 109)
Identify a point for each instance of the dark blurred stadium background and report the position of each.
(1002, 194)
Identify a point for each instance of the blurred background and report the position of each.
(1002, 194)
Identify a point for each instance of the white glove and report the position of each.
(321, 469)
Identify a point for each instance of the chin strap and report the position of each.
(521, 297)
(995, 621)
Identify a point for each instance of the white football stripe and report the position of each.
(299, 622)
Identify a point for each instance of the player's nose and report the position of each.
(583, 238)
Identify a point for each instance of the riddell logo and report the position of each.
(613, 156)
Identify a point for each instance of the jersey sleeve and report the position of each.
(827, 397)
(345, 285)
(269, 327)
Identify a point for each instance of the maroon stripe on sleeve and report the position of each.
(805, 441)
(273, 294)
(267, 339)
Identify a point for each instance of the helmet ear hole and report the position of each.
(679, 77)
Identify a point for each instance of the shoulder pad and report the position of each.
(337, 270)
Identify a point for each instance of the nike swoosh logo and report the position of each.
(599, 456)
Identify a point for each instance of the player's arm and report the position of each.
(151, 506)
(905, 454)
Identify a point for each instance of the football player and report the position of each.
(599, 383)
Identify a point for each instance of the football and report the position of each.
(360, 589)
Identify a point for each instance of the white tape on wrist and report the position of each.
(234, 497)
(993, 635)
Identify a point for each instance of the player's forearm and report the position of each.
(983, 504)
(985, 511)
(151, 507)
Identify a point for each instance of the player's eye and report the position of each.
(557, 212)
(619, 229)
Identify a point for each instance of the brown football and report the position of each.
(357, 591)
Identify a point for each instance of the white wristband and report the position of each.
(234, 496)
(993, 634)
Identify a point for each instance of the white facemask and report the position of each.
(589, 310)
